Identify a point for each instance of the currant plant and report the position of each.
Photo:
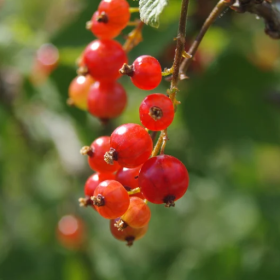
(130, 170)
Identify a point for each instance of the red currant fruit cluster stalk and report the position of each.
(129, 173)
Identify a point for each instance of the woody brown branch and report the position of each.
(264, 9)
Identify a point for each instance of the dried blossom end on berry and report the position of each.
(156, 113)
(98, 200)
(87, 151)
(127, 70)
(84, 202)
(103, 17)
(169, 201)
(120, 224)
(111, 156)
(82, 71)
(104, 121)
(129, 240)
(88, 25)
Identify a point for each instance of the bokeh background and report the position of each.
(226, 131)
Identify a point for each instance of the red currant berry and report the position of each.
(110, 199)
(78, 91)
(112, 16)
(104, 58)
(156, 112)
(45, 62)
(96, 153)
(130, 145)
(92, 182)
(145, 72)
(106, 100)
(128, 177)
(129, 234)
(137, 215)
(71, 231)
(163, 179)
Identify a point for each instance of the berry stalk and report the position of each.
(180, 47)
(218, 9)
(178, 69)
(134, 191)
(134, 37)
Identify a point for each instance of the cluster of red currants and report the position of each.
(97, 89)
(126, 177)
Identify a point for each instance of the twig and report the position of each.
(218, 9)
(180, 47)
(264, 9)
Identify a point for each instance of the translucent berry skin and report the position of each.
(94, 180)
(110, 18)
(129, 234)
(132, 143)
(146, 72)
(163, 177)
(128, 177)
(79, 89)
(96, 159)
(104, 58)
(156, 112)
(138, 213)
(106, 100)
(116, 199)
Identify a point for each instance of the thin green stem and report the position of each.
(164, 141)
(158, 145)
(134, 191)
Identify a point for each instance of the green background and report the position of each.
(226, 132)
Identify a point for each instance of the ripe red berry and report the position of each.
(163, 179)
(129, 234)
(96, 153)
(128, 177)
(71, 231)
(106, 100)
(78, 91)
(130, 145)
(110, 18)
(104, 58)
(145, 72)
(110, 199)
(94, 180)
(156, 112)
(137, 215)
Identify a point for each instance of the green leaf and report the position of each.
(150, 11)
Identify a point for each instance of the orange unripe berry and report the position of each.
(137, 215)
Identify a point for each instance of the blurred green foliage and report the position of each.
(226, 131)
